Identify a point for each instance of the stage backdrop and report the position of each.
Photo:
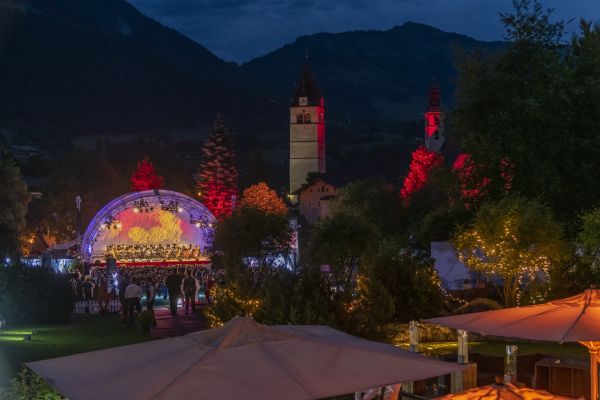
(124, 221)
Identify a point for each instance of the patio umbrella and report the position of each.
(574, 319)
(501, 391)
(242, 359)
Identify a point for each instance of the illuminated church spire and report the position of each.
(307, 130)
(435, 127)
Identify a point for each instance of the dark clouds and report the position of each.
(238, 30)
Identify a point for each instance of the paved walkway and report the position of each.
(168, 325)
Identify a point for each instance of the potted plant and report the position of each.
(144, 320)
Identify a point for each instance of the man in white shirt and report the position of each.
(133, 295)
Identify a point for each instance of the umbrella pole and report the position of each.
(594, 349)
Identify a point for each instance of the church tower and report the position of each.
(307, 131)
(435, 126)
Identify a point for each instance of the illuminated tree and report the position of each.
(145, 177)
(262, 197)
(514, 242)
(422, 163)
(217, 176)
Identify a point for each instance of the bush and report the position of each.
(144, 320)
(399, 333)
(37, 295)
(477, 305)
(29, 386)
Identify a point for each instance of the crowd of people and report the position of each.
(154, 252)
(131, 285)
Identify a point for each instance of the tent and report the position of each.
(242, 359)
(573, 319)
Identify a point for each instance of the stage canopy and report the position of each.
(153, 225)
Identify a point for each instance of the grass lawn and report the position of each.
(81, 334)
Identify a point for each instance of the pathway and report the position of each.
(168, 325)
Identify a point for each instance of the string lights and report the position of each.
(220, 295)
(505, 258)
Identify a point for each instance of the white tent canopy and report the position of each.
(240, 360)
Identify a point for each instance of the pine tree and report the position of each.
(217, 176)
(422, 163)
(145, 177)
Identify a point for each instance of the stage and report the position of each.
(149, 228)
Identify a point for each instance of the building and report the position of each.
(307, 132)
(314, 199)
(435, 124)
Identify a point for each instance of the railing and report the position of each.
(92, 307)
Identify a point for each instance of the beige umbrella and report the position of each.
(502, 391)
(574, 319)
(240, 360)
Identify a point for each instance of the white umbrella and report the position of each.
(242, 359)
(574, 319)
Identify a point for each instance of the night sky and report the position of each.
(239, 30)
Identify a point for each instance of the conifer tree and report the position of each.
(217, 176)
(145, 177)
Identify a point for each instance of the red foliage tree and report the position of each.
(145, 177)
(217, 176)
(475, 181)
(422, 163)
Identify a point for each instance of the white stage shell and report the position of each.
(148, 217)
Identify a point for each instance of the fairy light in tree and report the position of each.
(234, 304)
(505, 258)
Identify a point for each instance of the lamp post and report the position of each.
(78, 223)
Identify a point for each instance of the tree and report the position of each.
(217, 176)
(422, 163)
(14, 199)
(529, 108)
(252, 246)
(340, 242)
(513, 240)
(251, 238)
(583, 269)
(145, 177)
(262, 197)
(375, 201)
(408, 275)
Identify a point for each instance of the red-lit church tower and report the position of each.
(435, 128)
(307, 131)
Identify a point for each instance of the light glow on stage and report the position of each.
(166, 219)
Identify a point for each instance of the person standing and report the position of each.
(189, 290)
(173, 284)
(88, 290)
(102, 296)
(123, 283)
(150, 293)
(133, 295)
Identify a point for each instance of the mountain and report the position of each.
(369, 75)
(100, 67)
